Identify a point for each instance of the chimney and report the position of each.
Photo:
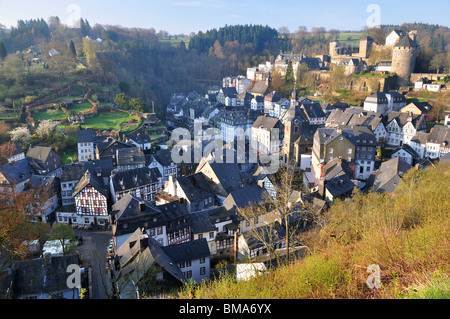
(141, 206)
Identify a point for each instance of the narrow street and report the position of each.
(93, 252)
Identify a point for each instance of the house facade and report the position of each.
(91, 201)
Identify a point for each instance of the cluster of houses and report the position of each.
(174, 220)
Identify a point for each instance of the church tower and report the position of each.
(292, 126)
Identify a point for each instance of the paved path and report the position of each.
(93, 252)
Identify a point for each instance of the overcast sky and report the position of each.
(186, 16)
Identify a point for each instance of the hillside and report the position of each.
(407, 235)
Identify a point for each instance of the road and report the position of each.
(93, 252)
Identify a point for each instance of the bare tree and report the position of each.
(280, 215)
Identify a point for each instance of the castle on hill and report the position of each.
(404, 53)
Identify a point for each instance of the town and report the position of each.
(141, 224)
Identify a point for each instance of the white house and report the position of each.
(419, 144)
(384, 103)
(86, 145)
(406, 153)
(438, 142)
(394, 37)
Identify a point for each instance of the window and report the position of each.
(211, 235)
(202, 271)
(349, 151)
(189, 274)
(202, 260)
(160, 230)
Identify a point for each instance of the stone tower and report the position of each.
(333, 46)
(365, 47)
(404, 60)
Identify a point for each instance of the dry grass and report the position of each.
(407, 235)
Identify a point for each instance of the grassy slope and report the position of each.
(408, 236)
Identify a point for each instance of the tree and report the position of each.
(72, 49)
(438, 62)
(122, 101)
(21, 135)
(137, 104)
(3, 52)
(64, 234)
(289, 73)
(46, 129)
(280, 213)
(6, 151)
(16, 212)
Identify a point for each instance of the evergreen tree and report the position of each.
(3, 52)
(72, 49)
(289, 73)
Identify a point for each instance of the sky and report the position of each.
(186, 16)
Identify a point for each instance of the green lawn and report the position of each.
(82, 107)
(68, 158)
(350, 38)
(46, 115)
(109, 120)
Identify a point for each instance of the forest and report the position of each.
(150, 65)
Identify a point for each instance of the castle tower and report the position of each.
(404, 60)
(365, 47)
(333, 46)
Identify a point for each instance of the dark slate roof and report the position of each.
(105, 142)
(103, 167)
(17, 172)
(141, 138)
(378, 97)
(228, 175)
(337, 167)
(37, 181)
(72, 172)
(339, 185)
(164, 260)
(201, 222)
(92, 180)
(188, 251)
(407, 149)
(406, 41)
(85, 136)
(163, 157)
(129, 208)
(42, 275)
(403, 118)
(247, 196)
(338, 117)
(130, 156)
(439, 135)
(313, 110)
(195, 187)
(389, 175)
(134, 178)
